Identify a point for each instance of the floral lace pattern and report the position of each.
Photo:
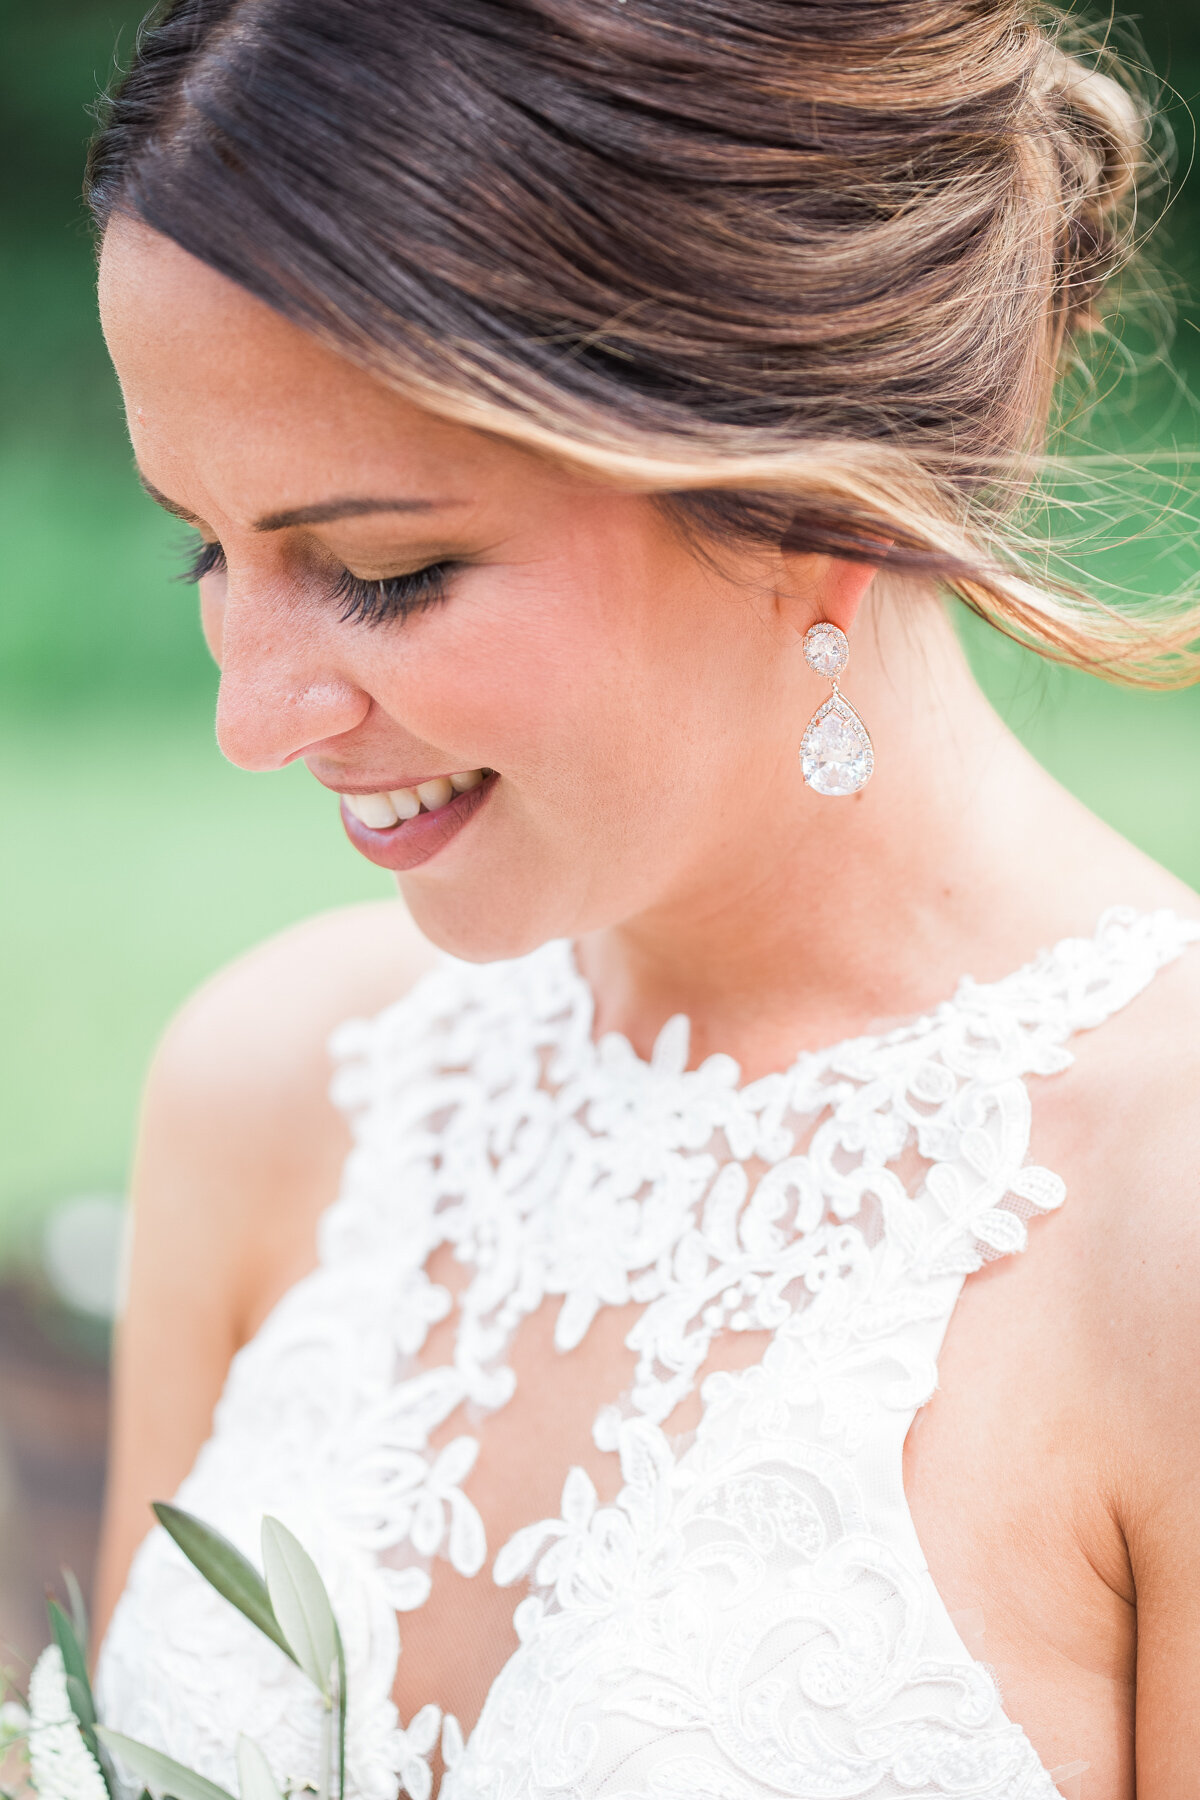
(753, 1615)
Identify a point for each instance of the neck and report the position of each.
(819, 918)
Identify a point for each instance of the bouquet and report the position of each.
(69, 1755)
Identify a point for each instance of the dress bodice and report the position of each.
(752, 1615)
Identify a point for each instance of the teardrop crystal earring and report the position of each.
(836, 755)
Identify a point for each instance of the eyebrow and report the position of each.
(322, 513)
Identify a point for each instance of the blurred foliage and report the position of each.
(86, 614)
(135, 860)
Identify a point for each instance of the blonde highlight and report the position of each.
(801, 268)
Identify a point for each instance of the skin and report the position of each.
(643, 711)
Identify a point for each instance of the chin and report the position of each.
(477, 926)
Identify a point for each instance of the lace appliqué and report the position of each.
(753, 1614)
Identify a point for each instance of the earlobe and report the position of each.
(847, 585)
(830, 588)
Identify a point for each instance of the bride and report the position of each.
(573, 400)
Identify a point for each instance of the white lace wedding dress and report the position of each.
(753, 1616)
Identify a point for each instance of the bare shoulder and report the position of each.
(238, 1093)
(264, 1020)
(1142, 1077)
(1143, 1347)
(239, 1152)
(1136, 1124)
(1136, 1087)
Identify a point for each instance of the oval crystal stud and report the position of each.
(825, 650)
(836, 756)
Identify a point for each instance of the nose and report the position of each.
(282, 692)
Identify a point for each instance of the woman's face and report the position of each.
(628, 707)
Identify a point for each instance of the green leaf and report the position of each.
(161, 1771)
(79, 1688)
(79, 1617)
(63, 1632)
(66, 1634)
(255, 1780)
(341, 1696)
(115, 1788)
(301, 1604)
(80, 1697)
(224, 1567)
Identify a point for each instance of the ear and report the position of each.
(823, 587)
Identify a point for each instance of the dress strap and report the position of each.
(981, 1191)
(1082, 981)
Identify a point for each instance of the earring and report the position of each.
(836, 755)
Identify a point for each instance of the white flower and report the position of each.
(14, 1722)
(62, 1766)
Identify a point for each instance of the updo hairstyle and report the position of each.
(805, 269)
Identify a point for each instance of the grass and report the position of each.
(139, 861)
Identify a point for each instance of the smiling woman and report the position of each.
(565, 395)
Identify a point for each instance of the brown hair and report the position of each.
(806, 269)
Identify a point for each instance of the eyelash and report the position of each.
(363, 602)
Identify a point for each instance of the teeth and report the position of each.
(375, 810)
(380, 811)
(436, 793)
(406, 801)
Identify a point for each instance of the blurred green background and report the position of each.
(135, 861)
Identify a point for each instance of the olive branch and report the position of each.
(288, 1604)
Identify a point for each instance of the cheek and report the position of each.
(493, 684)
(580, 692)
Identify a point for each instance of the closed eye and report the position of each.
(362, 602)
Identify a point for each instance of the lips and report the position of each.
(411, 842)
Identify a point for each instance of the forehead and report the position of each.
(213, 377)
